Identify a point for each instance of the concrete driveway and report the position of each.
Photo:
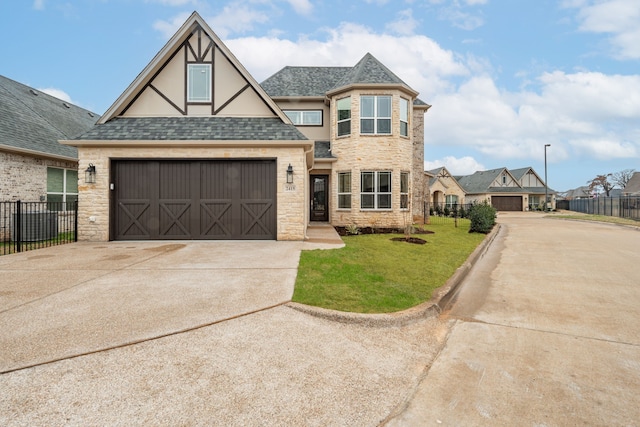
(85, 297)
(190, 334)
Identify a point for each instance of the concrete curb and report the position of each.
(442, 296)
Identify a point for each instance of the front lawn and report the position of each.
(373, 274)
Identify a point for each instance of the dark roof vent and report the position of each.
(33, 92)
(66, 105)
(91, 114)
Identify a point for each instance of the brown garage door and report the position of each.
(507, 203)
(226, 199)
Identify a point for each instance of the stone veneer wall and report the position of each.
(420, 181)
(25, 177)
(358, 153)
(94, 199)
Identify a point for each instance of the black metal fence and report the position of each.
(622, 207)
(26, 226)
(446, 213)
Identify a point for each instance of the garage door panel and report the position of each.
(216, 219)
(206, 199)
(507, 203)
(175, 220)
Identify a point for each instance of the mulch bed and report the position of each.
(416, 240)
(342, 231)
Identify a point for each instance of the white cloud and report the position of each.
(405, 24)
(38, 4)
(417, 60)
(169, 28)
(456, 166)
(173, 2)
(58, 93)
(302, 7)
(618, 18)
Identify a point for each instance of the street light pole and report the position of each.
(546, 186)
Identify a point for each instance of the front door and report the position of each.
(320, 198)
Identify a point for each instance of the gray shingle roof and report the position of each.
(322, 150)
(480, 181)
(33, 120)
(368, 71)
(303, 81)
(194, 128)
(317, 81)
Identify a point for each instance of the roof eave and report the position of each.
(365, 86)
(35, 153)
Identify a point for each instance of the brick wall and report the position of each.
(93, 205)
(24, 177)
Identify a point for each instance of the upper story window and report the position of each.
(375, 114)
(305, 117)
(198, 82)
(344, 116)
(404, 117)
(62, 188)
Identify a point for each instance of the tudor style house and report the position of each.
(195, 148)
(507, 190)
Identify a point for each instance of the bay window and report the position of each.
(344, 190)
(375, 190)
(375, 114)
(344, 116)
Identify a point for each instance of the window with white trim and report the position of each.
(198, 82)
(375, 114)
(404, 117)
(451, 200)
(62, 188)
(305, 117)
(344, 190)
(404, 190)
(375, 190)
(344, 116)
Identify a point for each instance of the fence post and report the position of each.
(18, 226)
(75, 225)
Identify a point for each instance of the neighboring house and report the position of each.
(444, 188)
(195, 148)
(507, 190)
(633, 185)
(582, 192)
(33, 165)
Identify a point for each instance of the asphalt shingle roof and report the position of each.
(194, 128)
(33, 120)
(322, 150)
(317, 81)
(303, 81)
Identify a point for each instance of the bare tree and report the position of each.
(621, 178)
(601, 184)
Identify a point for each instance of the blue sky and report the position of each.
(504, 77)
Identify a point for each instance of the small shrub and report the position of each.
(447, 211)
(462, 213)
(352, 229)
(483, 218)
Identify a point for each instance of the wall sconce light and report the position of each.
(90, 174)
(290, 174)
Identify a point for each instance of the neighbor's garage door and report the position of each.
(226, 199)
(507, 203)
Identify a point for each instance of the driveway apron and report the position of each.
(80, 298)
(545, 331)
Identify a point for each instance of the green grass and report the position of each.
(599, 218)
(373, 274)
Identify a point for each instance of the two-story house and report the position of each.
(195, 148)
